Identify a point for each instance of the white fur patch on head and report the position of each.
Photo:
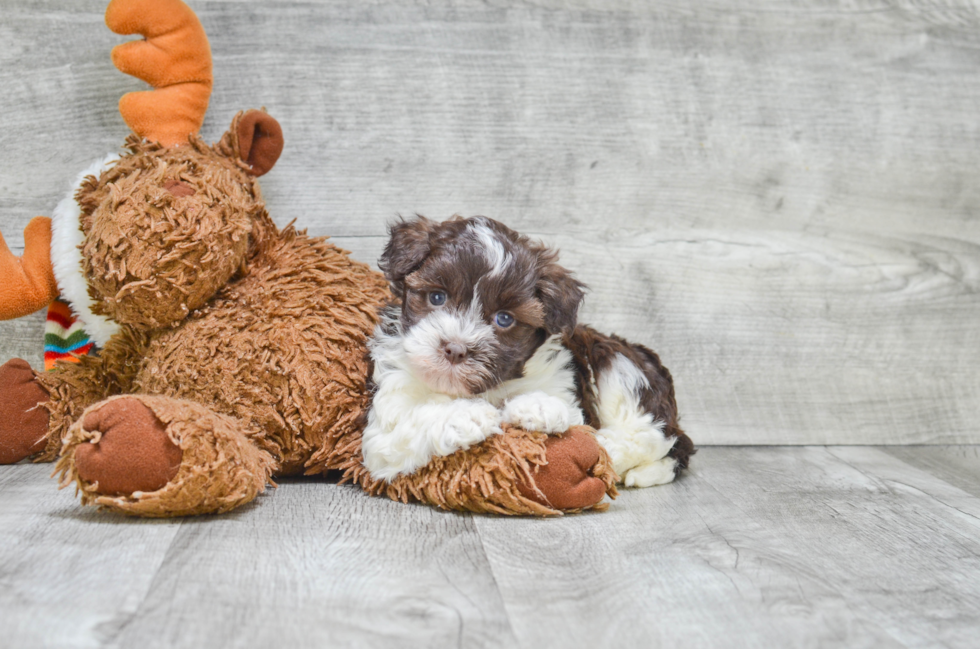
(634, 440)
(424, 343)
(493, 249)
(66, 257)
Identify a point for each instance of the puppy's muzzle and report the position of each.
(455, 353)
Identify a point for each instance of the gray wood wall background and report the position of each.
(779, 197)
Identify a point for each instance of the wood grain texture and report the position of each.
(308, 565)
(801, 547)
(778, 197)
(70, 577)
(317, 565)
(957, 465)
(756, 547)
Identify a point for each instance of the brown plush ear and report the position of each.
(560, 293)
(408, 246)
(260, 141)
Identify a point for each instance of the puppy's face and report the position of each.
(477, 300)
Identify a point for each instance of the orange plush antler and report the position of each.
(174, 58)
(27, 284)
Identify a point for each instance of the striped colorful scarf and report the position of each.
(64, 338)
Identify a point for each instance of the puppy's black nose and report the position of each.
(455, 353)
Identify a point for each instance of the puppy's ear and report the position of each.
(408, 246)
(559, 292)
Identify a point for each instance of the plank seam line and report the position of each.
(493, 576)
(936, 498)
(110, 641)
(887, 482)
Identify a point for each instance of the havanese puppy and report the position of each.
(484, 332)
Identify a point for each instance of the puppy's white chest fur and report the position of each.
(410, 423)
(544, 398)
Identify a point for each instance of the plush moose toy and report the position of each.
(231, 351)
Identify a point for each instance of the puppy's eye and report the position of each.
(437, 298)
(503, 319)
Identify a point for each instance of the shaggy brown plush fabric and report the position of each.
(253, 341)
(154, 256)
(264, 328)
(279, 352)
(73, 387)
(282, 349)
(221, 468)
(496, 476)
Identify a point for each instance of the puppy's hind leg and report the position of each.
(638, 448)
(637, 413)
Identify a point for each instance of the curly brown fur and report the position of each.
(265, 329)
(76, 386)
(221, 468)
(151, 255)
(281, 349)
(489, 477)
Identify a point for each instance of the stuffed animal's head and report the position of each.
(168, 224)
(165, 227)
(152, 235)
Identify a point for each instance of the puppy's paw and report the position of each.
(651, 473)
(421, 433)
(468, 422)
(537, 411)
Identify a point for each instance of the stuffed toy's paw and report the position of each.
(23, 418)
(129, 452)
(159, 456)
(577, 474)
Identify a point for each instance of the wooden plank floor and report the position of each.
(756, 547)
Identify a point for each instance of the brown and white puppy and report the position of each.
(484, 333)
